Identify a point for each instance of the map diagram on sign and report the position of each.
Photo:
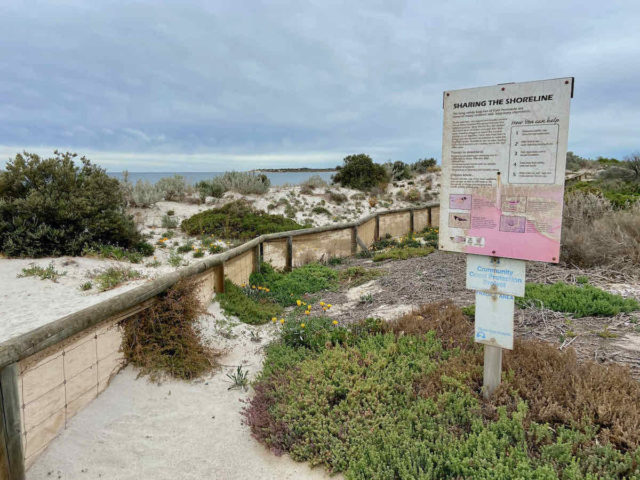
(503, 164)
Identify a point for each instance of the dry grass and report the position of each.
(559, 390)
(165, 339)
(596, 234)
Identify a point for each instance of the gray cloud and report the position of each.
(143, 84)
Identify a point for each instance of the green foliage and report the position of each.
(430, 235)
(169, 221)
(359, 172)
(51, 207)
(469, 311)
(133, 255)
(210, 188)
(114, 276)
(582, 301)
(246, 183)
(239, 378)
(172, 188)
(175, 259)
(143, 194)
(237, 220)
(86, 286)
(402, 253)
(424, 165)
(337, 197)
(321, 211)
(250, 307)
(185, 248)
(48, 273)
(399, 171)
(387, 406)
(355, 276)
(286, 288)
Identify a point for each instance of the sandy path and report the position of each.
(177, 430)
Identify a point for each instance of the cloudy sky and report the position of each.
(209, 86)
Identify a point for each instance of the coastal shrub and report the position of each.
(115, 276)
(594, 233)
(313, 182)
(402, 253)
(321, 211)
(423, 165)
(359, 172)
(172, 188)
(399, 171)
(144, 194)
(52, 207)
(169, 221)
(164, 339)
(245, 183)
(116, 253)
(430, 236)
(581, 300)
(43, 273)
(288, 287)
(209, 188)
(237, 220)
(405, 403)
(252, 307)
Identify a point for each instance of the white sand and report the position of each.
(178, 430)
(28, 303)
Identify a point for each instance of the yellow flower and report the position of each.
(307, 312)
(282, 321)
(267, 290)
(322, 304)
(298, 302)
(324, 309)
(274, 319)
(253, 286)
(329, 306)
(335, 322)
(244, 285)
(302, 325)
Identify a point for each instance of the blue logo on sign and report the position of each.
(481, 335)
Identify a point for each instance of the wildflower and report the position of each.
(244, 285)
(302, 325)
(324, 309)
(253, 286)
(322, 304)
(267, 290)
(282, 321)
(335, 322)
(274, 319)
(329, 306)
(307, 312)
(298, 302)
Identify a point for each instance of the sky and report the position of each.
(215, 85)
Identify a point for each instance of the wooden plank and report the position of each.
(376, 234)
(289, 265)
(354, 241)
(411, 224)
(429, 222)
(219, 278)
(492, 370)
(10, 403)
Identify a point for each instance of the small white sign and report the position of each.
(496, 275)
(494, 319)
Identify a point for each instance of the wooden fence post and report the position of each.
(354, 242)
(429, 214)
(411, 224)
(10, 425)
(289, 264)
(376, 234)
(219, 276)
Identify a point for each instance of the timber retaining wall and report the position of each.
(49, 374)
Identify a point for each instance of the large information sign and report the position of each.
(503, 163)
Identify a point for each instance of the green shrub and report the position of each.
(355, 276)
(359, 172)
(582, 301)
(321, 211)
(115, 276)
(423, 165)
(313, 182)
(172, 188)
(51, 207)
(134, 255)
(143, 194)
(286, 288)
(169, 221)
(185, 248)
(246, 183)
(164, 339)
(250, 307)
(430, 236)
(48, 273)
(402, 253)
(237, 220)
(210, 188)
(86, 286)
(406, 404)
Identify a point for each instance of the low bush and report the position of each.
(43, 273)
(424, 165)
(313, 182)
(286, 288)
(133, 255)
(321, 211)
(430, 235)
(403, 402)
(359, 172)
(143, 194)
(246, 183)
(582, 301)
(165, 339)
(402, 253)
(254, 308)
(336, 197)
(237, 220)
(210, 188)
(115, 276)
(169, 221)
(172, 188)
(594, 233)
(51, 207)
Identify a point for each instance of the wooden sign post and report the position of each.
(503, 165)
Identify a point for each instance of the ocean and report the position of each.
(277, 179)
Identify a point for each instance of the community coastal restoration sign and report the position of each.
(503, 164)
